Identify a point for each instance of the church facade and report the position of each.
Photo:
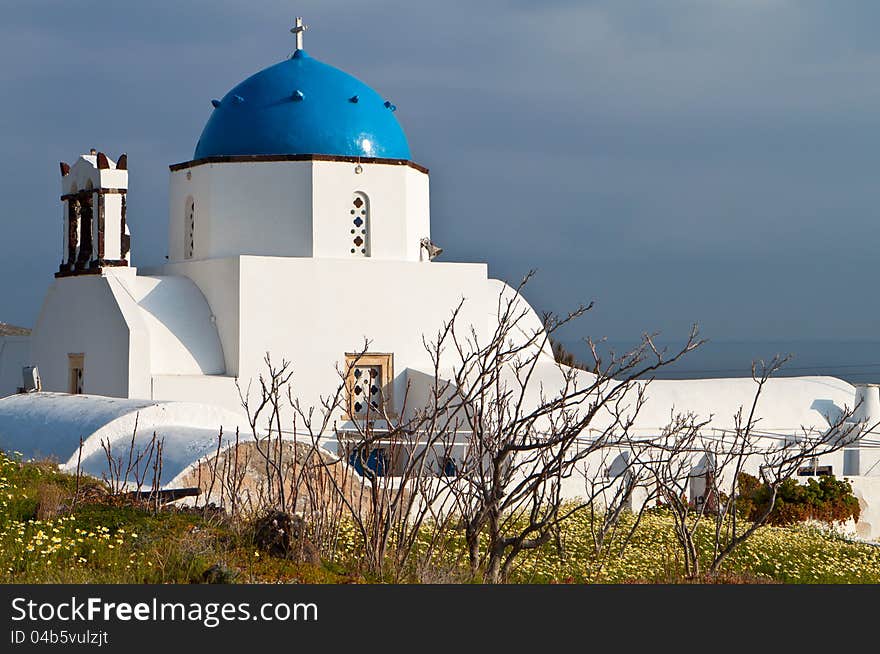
(301, 229)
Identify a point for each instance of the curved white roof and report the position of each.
(786, 405)
(504, 298)
(50, 425)
(183, 336)
(182, 447)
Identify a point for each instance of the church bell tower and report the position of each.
(95, 234)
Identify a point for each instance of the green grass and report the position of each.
(100, 541)
(45, 540)
(798, 554)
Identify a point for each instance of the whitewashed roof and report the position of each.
(50, 425)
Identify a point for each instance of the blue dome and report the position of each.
(303, 106)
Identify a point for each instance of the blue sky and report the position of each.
(678, 161)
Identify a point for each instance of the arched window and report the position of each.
(73, 209)
(189, 229)
(125, 238)
(84, 253)
(359, 213)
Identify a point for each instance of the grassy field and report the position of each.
(43, 539)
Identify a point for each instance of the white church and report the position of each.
(301, 228)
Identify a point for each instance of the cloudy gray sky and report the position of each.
(678, 161)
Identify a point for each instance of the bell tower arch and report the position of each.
(94, 234)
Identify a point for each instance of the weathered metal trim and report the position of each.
(78, 271)
(94, 268)
(91, 191)
(261, 158)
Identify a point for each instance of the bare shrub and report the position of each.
(133, 468)
(481, 456)
(716, 459)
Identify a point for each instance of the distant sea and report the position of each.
(854, 361)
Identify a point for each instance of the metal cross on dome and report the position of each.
(298, 31)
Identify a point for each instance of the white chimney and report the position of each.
(867, 404)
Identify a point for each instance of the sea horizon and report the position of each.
(856, 361)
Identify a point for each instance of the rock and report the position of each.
(218, 574)
(283, 535)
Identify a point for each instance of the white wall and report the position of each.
(81, 315)
(85, 169)
(15, 354)
(867, 490)
(418, 214)
(112, 226)
(869, 461)
(297, 209)
(243, 208)
(313, 311)
(129, 328)
(213, 390)
(399, 209)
